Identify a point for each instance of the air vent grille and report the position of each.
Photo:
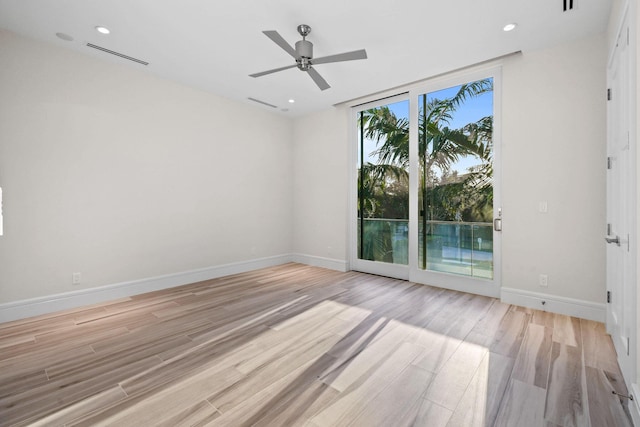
(121, 55)
(262, 102)
(567, 5)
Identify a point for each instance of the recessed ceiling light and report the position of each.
(291, 101)
(65, 37)
(103, 30)
(509, 27)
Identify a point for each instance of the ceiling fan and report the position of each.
(303, 54)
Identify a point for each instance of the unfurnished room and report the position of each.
(295, 213)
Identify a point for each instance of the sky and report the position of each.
(471, 111)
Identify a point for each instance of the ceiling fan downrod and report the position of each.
(304, 48)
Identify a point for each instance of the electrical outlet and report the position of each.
(543, 207)
(76, 278)
(544, 280)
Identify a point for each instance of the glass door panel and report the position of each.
(383, 183)
(455, 183)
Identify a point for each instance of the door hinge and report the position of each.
(627, 36)
(608, 94)
(609, 162)
(628, 344)
(608, 297)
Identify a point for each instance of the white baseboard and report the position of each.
(555, 304)
(69, 300)
(634, 405)
(316, 261)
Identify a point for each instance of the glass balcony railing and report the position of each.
(464, 248)
(385, 240)
(457, 247)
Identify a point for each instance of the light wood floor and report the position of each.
(298, 345)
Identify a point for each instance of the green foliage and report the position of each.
(378, 246)
(447, 196)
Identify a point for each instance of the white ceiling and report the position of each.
(215, 45)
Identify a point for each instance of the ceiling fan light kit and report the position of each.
(303, 55)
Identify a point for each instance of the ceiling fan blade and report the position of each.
(322, 83)
(277, 39)
(275, 70)
(347, 56)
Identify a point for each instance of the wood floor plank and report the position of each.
(297, 345)
(266, 374)
(259, 404)
(508, 339)
(438, 349)
(352, 368)
(6, 342)
(522, 406)
(21, 382)
(402, 394)
(605, 408)
(200, 414)
(172, 370)
(534, 358)
(175, 402)
(294, 405)
(492, 319)
(290, 401)
(481, 401)
(598, 347)
(39, 359)
(567, 330)
(425, 414)
(543, 318)
(566, 397)
(451, 382)
(362, 388)
(82, 408)
(54, 395)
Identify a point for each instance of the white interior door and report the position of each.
(620, 287)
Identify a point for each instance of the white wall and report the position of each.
(119, 175)
(553, 150)
(554, 136)
(320, 156)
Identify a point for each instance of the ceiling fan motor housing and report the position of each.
(304, 49)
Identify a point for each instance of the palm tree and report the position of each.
(439, 146)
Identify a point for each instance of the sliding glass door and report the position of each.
(383, 188)
(455, 195)
(427, 195)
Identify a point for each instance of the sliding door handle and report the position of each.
(615, 240)
(497, 224)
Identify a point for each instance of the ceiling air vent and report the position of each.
(567, 5)
(121, 55)
(262, 102)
